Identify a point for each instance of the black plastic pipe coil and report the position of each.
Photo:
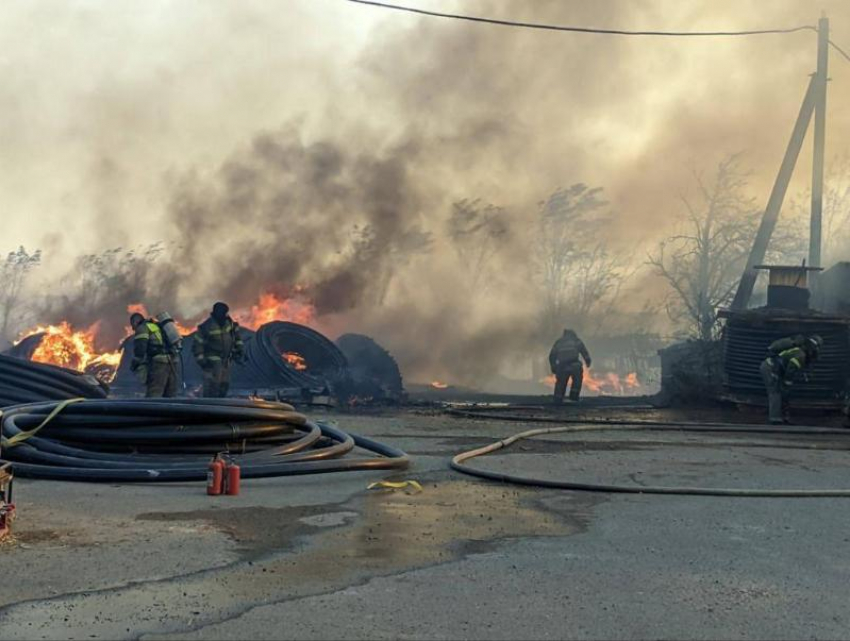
(28, 382)
(173, 440)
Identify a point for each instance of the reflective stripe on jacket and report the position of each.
(149, 344)
(215, 342)
(792, 361)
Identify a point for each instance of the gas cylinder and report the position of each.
(170, 333)
(215, 477)
(234, 476)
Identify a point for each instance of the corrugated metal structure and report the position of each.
(748, 334)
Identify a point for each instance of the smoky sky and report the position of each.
(321, 143)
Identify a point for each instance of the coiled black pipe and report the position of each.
(24, 381)
(266, 367)
(374, 372)
(171, 440)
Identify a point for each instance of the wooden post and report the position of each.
(818, 158)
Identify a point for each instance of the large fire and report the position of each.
(296, 361)
(73, 348)
(272, 307)
(64, 346)
(608, 383)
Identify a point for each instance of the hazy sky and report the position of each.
(102, 101)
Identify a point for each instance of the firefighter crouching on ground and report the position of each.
(215, 346)
(565, 364)
(788, 359)
(154, 361)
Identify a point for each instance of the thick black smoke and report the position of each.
(352, 205)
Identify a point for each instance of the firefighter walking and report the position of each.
(154, 361)
(215, 346)
(566, 366)
(788, 359)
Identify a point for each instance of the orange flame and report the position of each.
(295, 360)
(64, 346)
(608, 383)
(137, 308)
(272, 307)
(439, 385)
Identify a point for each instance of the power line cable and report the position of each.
(840, 50)
(612, 32)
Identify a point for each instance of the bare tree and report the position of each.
(100, 276)
(703, 264)
(578, 274)
(477, 231)
(13, 275)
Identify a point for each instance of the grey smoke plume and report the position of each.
(266, 159)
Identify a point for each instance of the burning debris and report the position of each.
(272, 307)
(295, 360)
(66, 347)
(609, 383)
(283, 359)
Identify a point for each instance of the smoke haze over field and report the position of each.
(321, 143)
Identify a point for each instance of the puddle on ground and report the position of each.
(393, 532)
(257, 530)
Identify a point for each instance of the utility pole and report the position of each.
(818, 157)
(774, 204)
(813, 103)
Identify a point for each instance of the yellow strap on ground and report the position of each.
(395, 485)
(23, 436)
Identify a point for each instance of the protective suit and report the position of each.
(788, 359)
(566, 366)
(153, 361)
(217, 344)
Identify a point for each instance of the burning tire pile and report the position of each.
(173, 440)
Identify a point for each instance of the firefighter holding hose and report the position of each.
(154, 360)
(565, 364)
(216, 345)
(788, 359)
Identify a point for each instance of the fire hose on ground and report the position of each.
(24, 381)
(174, 439)
(586, 425)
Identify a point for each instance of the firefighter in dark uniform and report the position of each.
(565, 364)
(215, 346)
(153, 361)
(788, 359)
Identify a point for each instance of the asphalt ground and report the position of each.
(322, 557)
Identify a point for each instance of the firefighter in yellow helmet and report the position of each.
(154, 362)
(565, 364)
(788, 359)
(217, 344)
